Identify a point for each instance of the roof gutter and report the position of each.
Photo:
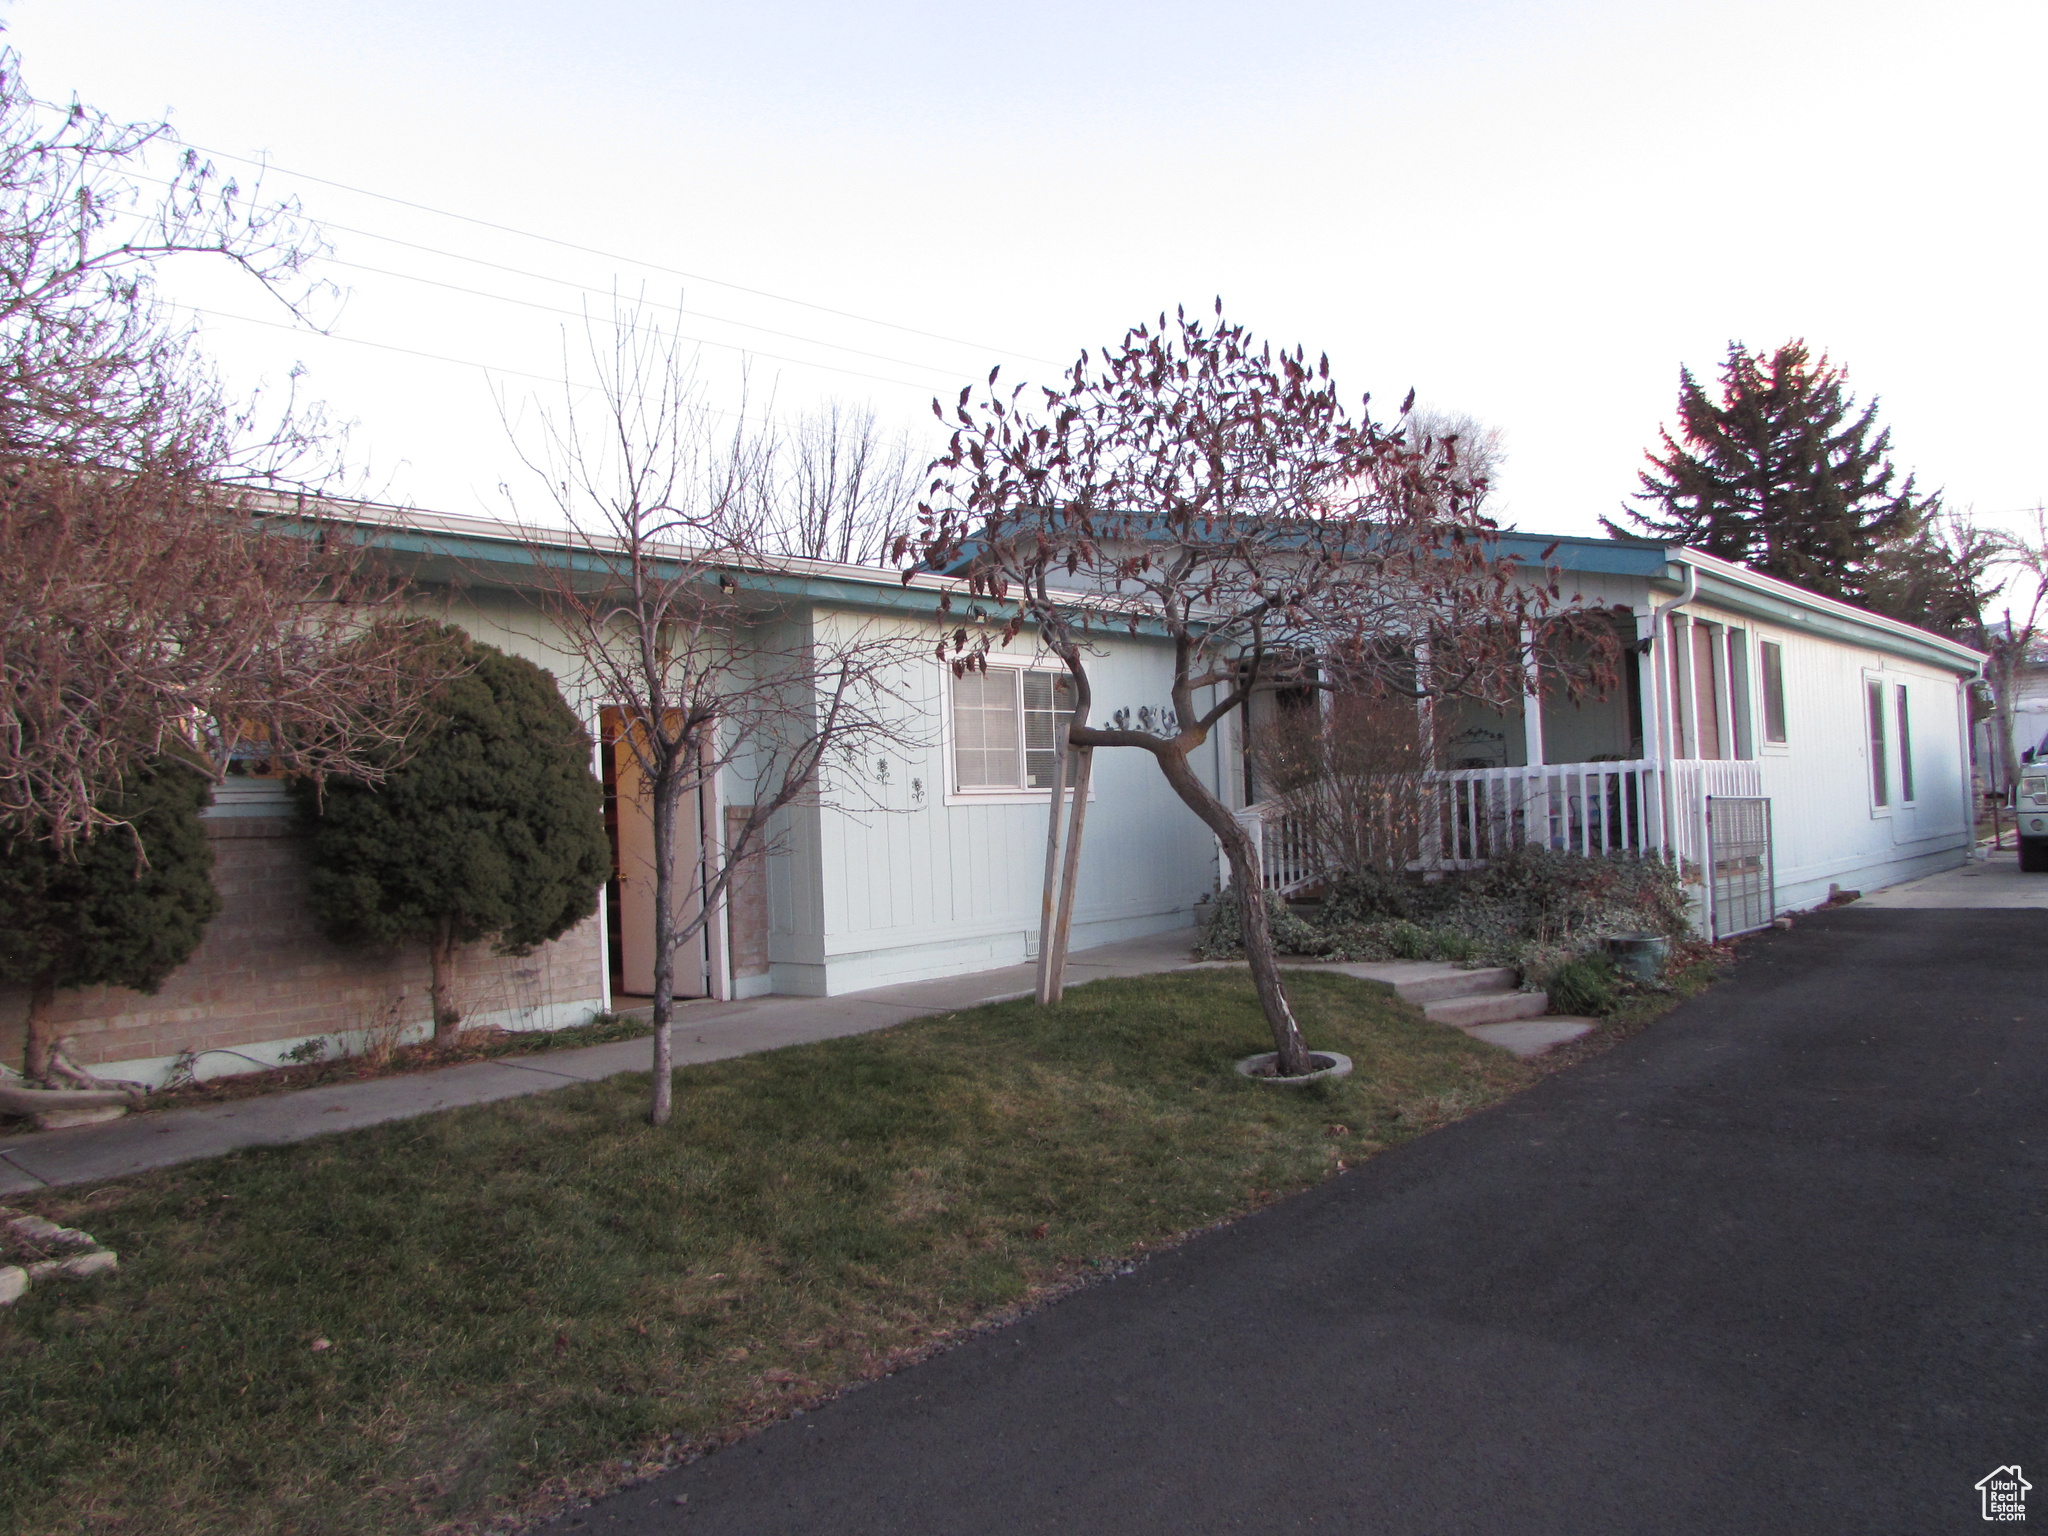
(1686, 593)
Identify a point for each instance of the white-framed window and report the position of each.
(1770, 667)
(1879, 739)
(1004, 724)
(1902, 724)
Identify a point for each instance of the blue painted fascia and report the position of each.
(1643, 558)
(511, 564)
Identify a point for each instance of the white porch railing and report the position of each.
(1469, 816)
(1692, 781)
(1604, 808)
(1289, 859)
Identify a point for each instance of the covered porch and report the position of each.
(1628, 772)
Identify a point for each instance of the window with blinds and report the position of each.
(1006, 727)
(985, 734)
(1048, 706)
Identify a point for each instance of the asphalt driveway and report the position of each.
(1776, 1265)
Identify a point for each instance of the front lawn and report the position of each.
(429, 1323)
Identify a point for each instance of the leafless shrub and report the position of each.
(1355, 777)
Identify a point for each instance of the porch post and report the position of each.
(1535, 788)
(1430, 845)
(1532, 700)
(1649, 678)
(1651, 692)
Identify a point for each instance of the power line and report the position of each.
(463, 362)
(410, 277)
(587, 250)
(563, 282)
(358, 341)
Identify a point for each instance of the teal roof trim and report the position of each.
(1603, 557)
(483, 560)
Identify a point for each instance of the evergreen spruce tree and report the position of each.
(493, 827)
(123, 908)
(1785, 475)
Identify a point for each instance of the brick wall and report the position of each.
(263, 973)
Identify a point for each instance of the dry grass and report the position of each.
(543, 1296)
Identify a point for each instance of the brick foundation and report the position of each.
(264, 975)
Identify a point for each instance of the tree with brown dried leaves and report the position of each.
(1195, 483)
(163, 603)
(159, 598)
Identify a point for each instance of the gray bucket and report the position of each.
(1639, 956)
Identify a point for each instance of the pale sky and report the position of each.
(1532, 212)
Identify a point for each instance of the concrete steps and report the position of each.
(1483, 1003)
(1532, 1037)
(1495, 1007)
(1441, 986)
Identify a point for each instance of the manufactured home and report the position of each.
(1776, 743)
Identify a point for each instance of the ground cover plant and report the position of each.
(1545, 912)
(427, 1325)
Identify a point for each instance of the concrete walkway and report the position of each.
(703, 1032)
(1995, 882)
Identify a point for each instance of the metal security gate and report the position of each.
(1739, 854)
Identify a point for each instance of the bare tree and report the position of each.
(154, 600)
(2016, 638)
(1468, 452)
(838, 488)
(1224, 496)
(675, 613)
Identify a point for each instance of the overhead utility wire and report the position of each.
(571, 284)
(432, 357)
(564, 282)
(501, 298)
(588, 250)
(358, 341)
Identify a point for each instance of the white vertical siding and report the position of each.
(1826, 830)
(911, 885)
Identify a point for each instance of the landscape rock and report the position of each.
(47, 1234)
(13, 1284)
(65, 1119)
(79, 1266)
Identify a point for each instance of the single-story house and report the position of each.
(1834, 742)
